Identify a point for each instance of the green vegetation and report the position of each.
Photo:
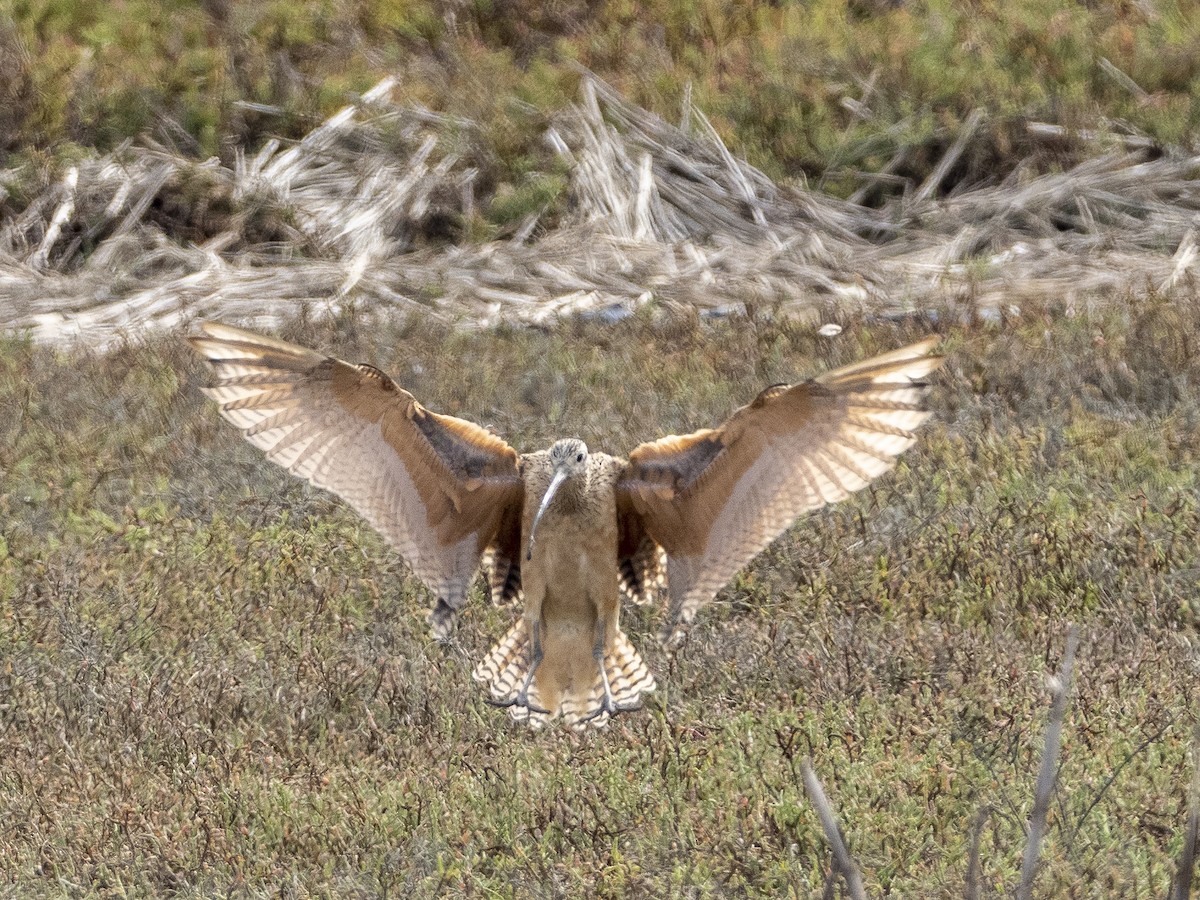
(818, 89)
(214, 679)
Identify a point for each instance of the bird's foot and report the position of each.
(611, 707)
(608, 703)
(520, 699)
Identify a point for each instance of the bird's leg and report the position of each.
(535, 659)
(608, 703)
(535, 592)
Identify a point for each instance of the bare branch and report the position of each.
(974, 869)
(1124, 80)
(1187, 856)
(841, 856)
(1045, 782)
(1108, 782)
(934, 181)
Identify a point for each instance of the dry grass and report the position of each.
(215, 680)
(381, 207)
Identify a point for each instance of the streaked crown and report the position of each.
(569, 454)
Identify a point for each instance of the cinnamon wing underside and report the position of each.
(439, 489)
(715, 498)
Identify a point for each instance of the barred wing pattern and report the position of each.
(716, 498)
(439, 489)
(502, 573)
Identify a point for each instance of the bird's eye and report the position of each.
(579, 458)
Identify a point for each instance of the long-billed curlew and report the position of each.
(570, 530)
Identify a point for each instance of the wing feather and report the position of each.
(439, 489)
(715, 498)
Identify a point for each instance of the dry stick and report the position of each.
(1187, 856)
(1130, 141)
(956, 150)
(1045, 781)
(737, 176)
(841, 856)
(66, 209)
(1121, 78)
(893, 164)
(974, 869)
(1183, 259)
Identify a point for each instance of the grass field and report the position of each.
(215, 680)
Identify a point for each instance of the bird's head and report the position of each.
(569, 459)
(569, 456)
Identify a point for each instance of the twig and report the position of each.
(833, 834)
(1121, 78)
(1045, 781)
(1183, 259)
(266, 109)
(893, 164)
(974, 869)
(1187, 856)
(1131, 141)
(737, 177)
(1108, 782)
(933, 182)
(66, 209)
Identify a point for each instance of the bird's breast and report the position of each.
(572, 541)
(574, 551)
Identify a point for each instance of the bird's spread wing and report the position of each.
(715, 498)
(439, 489)
(641, 562)
(502, 570)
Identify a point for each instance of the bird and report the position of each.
(567, 533)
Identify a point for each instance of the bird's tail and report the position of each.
(567, 685)
(628, 678)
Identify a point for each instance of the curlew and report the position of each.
(568, 531)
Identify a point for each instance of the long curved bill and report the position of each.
(555, 483)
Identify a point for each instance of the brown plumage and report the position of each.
(566, 532)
